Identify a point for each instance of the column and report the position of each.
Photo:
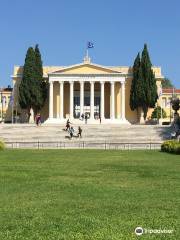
(112, 100)
(92, 101)
(123, 100)
(81, 98)
(71, 102)
(102, 100)
(51, 100)
(119, 102)
(61, 99)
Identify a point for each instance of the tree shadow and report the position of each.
(165, 132)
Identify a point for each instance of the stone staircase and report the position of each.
(91, 133)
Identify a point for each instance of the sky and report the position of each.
(117, 28)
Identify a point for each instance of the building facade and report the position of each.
(5, 97)
(99, 91)
(165, 102)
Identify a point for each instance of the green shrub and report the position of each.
(2, 145)
(171, 146)
(156, 114)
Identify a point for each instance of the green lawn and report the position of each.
(88, 194)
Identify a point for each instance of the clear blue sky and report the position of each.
(118, 29)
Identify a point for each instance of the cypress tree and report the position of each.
(41, 86)
(134, 93)
(143, 88)
(149, 86)
(32, 89)
(26, 85)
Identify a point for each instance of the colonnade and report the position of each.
(71, 105)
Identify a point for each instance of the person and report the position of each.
(71, 132)
(79, 132)
(82, 116)
(86, 119)
(67, 125)
(100, 119)
(38, 119)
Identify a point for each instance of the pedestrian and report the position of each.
(79, 132)
(38, 119)
(86, 119)
(100, 119)
(82, 116)
(67, 125)
(71, 132)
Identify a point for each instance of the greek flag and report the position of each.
(90, 45)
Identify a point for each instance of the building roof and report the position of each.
(170, 90)
(6, 89)
(18, 70)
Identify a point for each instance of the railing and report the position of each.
(84, 145)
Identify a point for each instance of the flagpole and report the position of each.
(12, 117)
(87, 52)
(160, 95)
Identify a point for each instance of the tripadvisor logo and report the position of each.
(139, 231)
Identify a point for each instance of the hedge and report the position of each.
(171, 146)
(2, 145)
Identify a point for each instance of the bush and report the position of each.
(175, 104)
(2, 145)
(156, 114)
(171, 146)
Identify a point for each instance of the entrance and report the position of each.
(86, 104)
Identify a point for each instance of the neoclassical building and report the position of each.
(87, 88)
(5, 96)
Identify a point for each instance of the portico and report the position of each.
(94, 91)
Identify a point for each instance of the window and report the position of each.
(168, 104)
(97, 101)
(87, 101)
(76, 101)
(164, 102)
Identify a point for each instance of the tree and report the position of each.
(166, 83)
(148, 83)
(143, 88)
(175, 104)
(26, 94)
(156, 114)
(32, 89)
(41, 85)
(134, 93)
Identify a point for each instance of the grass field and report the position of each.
(88, 194)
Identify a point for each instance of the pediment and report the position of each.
(85, 68)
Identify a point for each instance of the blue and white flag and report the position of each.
(90, 45)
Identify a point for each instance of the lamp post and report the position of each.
(171, 104)
(170, 111)
(1, 106)
(160, 98)
(3, 101)
(12, 108)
